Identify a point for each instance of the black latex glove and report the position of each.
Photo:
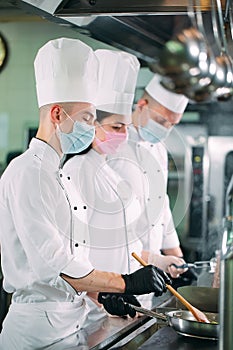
(149, 279)
(116, 304)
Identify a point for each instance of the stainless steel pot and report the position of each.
(184, 323)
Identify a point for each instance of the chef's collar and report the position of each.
(97, 157)
(133, 134)
(46, 153)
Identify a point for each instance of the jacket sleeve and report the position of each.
(38, 210)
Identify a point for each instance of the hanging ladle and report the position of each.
(199, 315)
(222, 80)
(220, 83)
(199, 87)
(182, 52)
(193, 65)
(225, 93)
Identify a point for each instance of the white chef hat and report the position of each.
(117, 79)
(172, 101)
(66, 70)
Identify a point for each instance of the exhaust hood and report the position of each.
(112, 7)
(141, 27)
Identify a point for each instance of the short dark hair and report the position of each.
(100, 115)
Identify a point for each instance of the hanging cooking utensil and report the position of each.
(187, 63)
(222, 81)
(199, 315)
(200, 73)
(173, 58)
(197, 87)
(220, 84)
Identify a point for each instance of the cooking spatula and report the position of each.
(199, 315)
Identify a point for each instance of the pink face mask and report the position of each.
(112, 142)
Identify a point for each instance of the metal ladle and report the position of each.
(188, 63)
(203, 89)
(220, 87)
(220, 84)
(195, 84)
(225, 91)
(182, 53)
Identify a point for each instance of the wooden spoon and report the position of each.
(199, 315)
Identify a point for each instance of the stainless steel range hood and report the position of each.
(120, 7)
(138, 26)
(129, 29)
(113, 7)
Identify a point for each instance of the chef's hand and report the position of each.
(165, 263)
(117, 304)
(149, 279)
(186, 279)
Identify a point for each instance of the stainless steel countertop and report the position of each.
(118, 333)
(111, 330)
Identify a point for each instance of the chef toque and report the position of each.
(66, 71)
(117, 79)
(172, 101)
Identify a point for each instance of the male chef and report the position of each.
(43, 254)
(143, 163)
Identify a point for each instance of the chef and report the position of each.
(45, 266)
(112, 208)
(143, 163)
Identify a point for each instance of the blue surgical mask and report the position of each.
(78, 140)
(153, 132)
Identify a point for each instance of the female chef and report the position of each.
(113, 209)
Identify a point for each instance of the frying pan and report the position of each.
(184, 323)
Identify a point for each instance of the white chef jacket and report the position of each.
(40, 239)
(113, 212)
(144, 166)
